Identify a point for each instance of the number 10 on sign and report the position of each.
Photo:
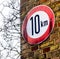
(35, 22)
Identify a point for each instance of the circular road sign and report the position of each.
(38, 24)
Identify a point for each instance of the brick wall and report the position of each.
(50, 49)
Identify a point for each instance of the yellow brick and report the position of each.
(57, 18)
(47, 44)
(54, 47)
(58, 5)
(56, 9)
(41, 56)
(40, 51)
(58, 13)
(51, 42)
(44, 45)
(46, 3)
(59, 45)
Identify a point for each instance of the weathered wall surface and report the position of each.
(50, 49)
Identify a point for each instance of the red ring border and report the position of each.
(50, 13)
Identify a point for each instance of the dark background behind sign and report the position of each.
(50, 49)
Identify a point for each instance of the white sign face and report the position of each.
(37, 24)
